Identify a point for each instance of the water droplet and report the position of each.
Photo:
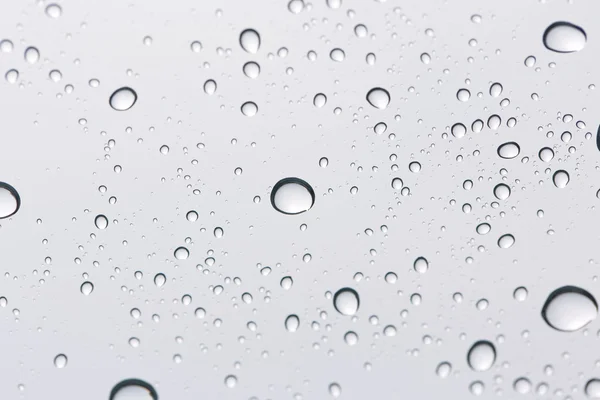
(292, 323)
(351, 338)
(481, 356)
(164, 149)
(320, 100)
(196, 46)
(380, 128)
(509, 150)
(337, 55)
(496, 89)
(87, 288)
(249, 109)
(292, 196)
(444, 369)
(346, 301)
(506, 241)
(60, 361)
(458, 130)
(520, 294)
(425, 58)
(6, 46)
(191, 216)
(101, 221)
(378, 98)
(592, 388)
(334, 4)
(569, 308)
(250, 41)
(10, 201)
(530, 61)
(463, 95)
(32, 55)
(483, 228)
(160, 279)
(335, 390)
(421, 265)
(397, 183)
(181, 253)
(210, 87)
(477, 126)
(230, 381)
(502, 191)
(251, 70)
(561, 179)
(123, 99)
(546, 154)
(53, 10)
(323, 162)
(296, 6)
(131, 389)
(476, 388)
(564, 37)
(361, 31)
(494, 122)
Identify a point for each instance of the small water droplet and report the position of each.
(53, 10)
(101, 221)
(160, 279)
(60, 361)
(87, 288)
(32, 55)
(421, 265)
(496, 89)
(335, 390)
(337, 55)
(546, 154)
(443, 369)
(502, 191)
(210, 87)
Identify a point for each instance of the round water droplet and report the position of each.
(564, 37)
(10, 201)
(191, 216)
(458, 130)
(292, 323)
(378, 98)
(421, 265)
(397, 183)
(509, 150)
(561, 179)
(335, 390)
(249, 109)
(53, 10)
(520, 294)
(546, 154)
(296, 6)
(477, 388)
(481, 356)
(230, 381)
(337, 55)
(250, 41)
(496, 89)
(160, 279)
(334, 4)
(292, 196)
(251, 70)
(181, 253)
(494, 122)
(323, 162)
(592, 388)
(463, 95)
(87, 288)
(483, 228)
(346, 301)
(522, 385)
(210, 87)
(101, 221)
(123, 99)
(477, 126)
(60, 361)
(569, 308)
(506, 241)
(320, 100)
(196, 46)
(11, 76)
(380, 128)
(32, 55)
(133, 389)
(502, 191)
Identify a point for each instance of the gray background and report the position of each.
(57, 165)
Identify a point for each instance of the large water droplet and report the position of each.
(346, 301)
(251, 70)
(249, 109)
(564, 37)
(561, 178)
(337, 55)
(481, 356)
(421, 265)
(378, 98)
(87, 288)
(320, 100)
(496, 89)
(32, 55)
(458, 130)
(509, 150)
(546, 154)
(181, 253)
(123, 99)
(250, 41)
(133, 389)
(10, 201)
(210, 87)
(502, 191)
(506, 241)
(592, 388)
(101, 221)
(292, 323)
(292, 196)
(569, 308)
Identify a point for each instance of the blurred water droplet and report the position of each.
(292, 323)
(443, 369)
(196, 46)
(346, 301)
(337, 55)
(60, 361)
(296, 6)
(564, 37)
(569, 308)
(231, 381)
(351, 338)
(477, 388)
(292, 196)
(123, 99)
(592, 388)
(53, 10)
(561, 179)
(335, 390)
(133, 389)
(250, 41)
(378, 98)
(481, 356)
(10, 201)
(12, 76)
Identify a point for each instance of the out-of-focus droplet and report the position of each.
(335, 390)
(87, 288)
(133, 389)
(250, 41)
(231, 381)
(425, 58)
(481, 356)
(561, 179)
(60, 361)
(53, 10)
(32, 55)
(292, 323)
(569, 308)
(509, 150)
(101, 221)
(10, 201)
(346, 301)
(181, 253)
(477, 388)
(296, 6)
(292, 196)
(12, 76)
(378, 98)
(592, 388)
(334, 4)
(123, 99)
(196, 46)
(564, 37)
(249, 109)
(506, 241)
(443, 369)
(522, 385)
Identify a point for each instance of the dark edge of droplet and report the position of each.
(555, 24)
(135, 97)
(598, 138)
(133, 382)
(476, 344)
(298, 181)
(346, 289)
(15, 194)
(563, 290)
